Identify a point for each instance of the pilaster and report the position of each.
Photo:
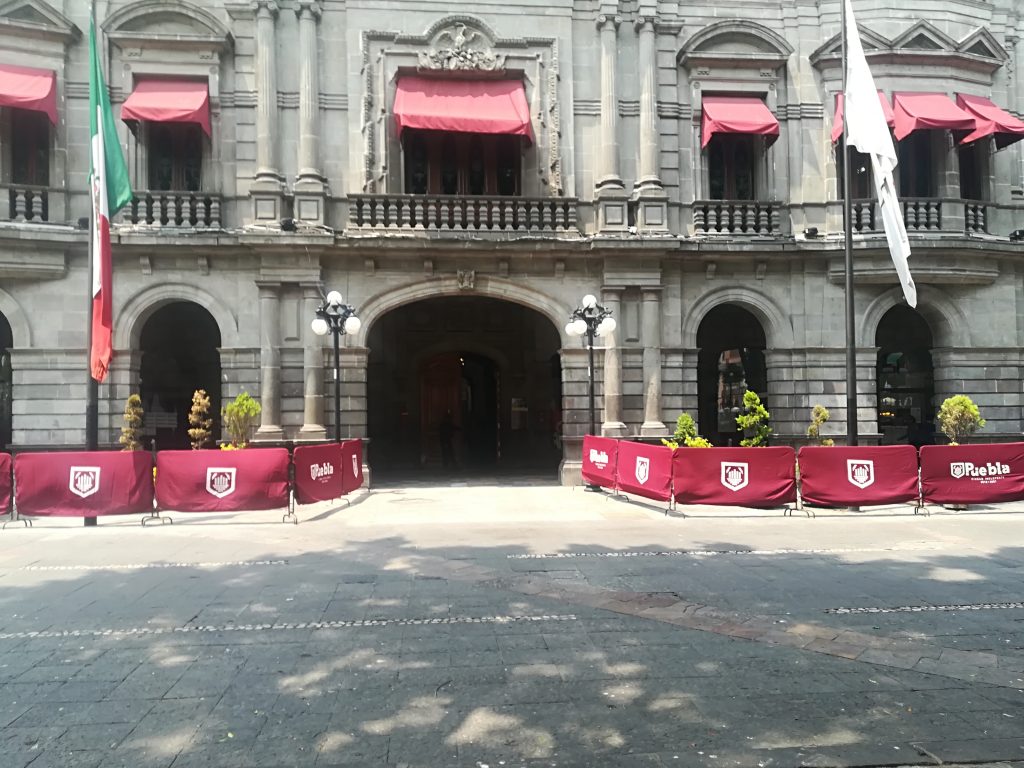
(312, 368)
(270, 362)
(612, 426)
(652, 202)
(310, 188)
(650, 313)
(267, 190)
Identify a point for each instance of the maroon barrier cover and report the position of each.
(222, 481)
(972, 474)
(740, 477)
(599, 460)
(5, 483)
(83, 484)
(352, 465)
(842, 476)
(645, 470)
(319, 473)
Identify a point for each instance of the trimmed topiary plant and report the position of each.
(754, 422)
(819, 415)
(959, 418)
(133, 415)
(686, 434)
(199, 420)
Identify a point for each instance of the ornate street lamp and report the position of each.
(590, 319)
(336, 317)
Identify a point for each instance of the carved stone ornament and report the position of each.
(459, 48)
(465, 279)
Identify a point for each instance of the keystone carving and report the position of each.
(465, 279)
(461, 48)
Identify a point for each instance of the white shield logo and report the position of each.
(220, 481)
(957, 469)
(355, 466)
(643, 469)
(860, 472)
(84, 481)
(734, 475)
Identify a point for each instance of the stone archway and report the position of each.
(179, 344)
(461, 386)
(906, 379)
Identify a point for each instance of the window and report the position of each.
(175, 153)
(916, 165)
(30, 148)
(860, 174)
(974, 170)
(731, 166)
(440, 163)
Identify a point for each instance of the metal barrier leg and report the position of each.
(16, 519)
(156, 517)
(290, 516)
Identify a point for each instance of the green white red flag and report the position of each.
(111, 191)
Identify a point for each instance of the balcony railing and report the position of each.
(736, 217)
(975, 217)
(922, 214)
(196, 210)
(28, 204)
(449, 213)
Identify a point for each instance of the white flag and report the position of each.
(867, 130)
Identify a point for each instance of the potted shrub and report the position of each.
(819, 415)
(686, 434)
(199, 420)
(754, 422)
(240, 417)
(959, 418)
(132, 424)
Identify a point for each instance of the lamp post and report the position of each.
(590, 319)
(336, 317)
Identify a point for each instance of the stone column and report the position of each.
(266, 188)
(613, 426)
(650, 320)
(312, 368)
(609, 191)
(309, 187)
(652, 208)
(1016, 92)
(270, 362)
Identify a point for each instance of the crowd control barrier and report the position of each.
(222, 481)
(741, 477)
(83, 484)
(327, 472)
(5, 483)
(986, 473)
(645, 470)
(842, 476)
(599, 460)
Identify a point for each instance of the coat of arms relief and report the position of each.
(458, 47)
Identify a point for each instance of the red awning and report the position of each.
(737, 114)
(837, 122)
(29, 88)
(990, 121)
(169, 101)
(463, 106)
(928, 111)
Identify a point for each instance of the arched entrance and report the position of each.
(463, 385)
(179, 344)
(6, 383)
(730, 361)
(906, 383)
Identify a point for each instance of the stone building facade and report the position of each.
(464, 249)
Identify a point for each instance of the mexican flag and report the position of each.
(111, 191)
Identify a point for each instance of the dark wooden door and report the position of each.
(440, 398)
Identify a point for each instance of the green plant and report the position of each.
(754, 421)
(819, 415)
(132, 423)
(240, 417)
(959, 418)
(199, 420)
(686, 434)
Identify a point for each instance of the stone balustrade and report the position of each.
(736, 217)
(975, 216)
(26, 203)
(922, 214)
(195, 210)
(449, 213)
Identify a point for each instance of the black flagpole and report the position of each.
(92, 387)
(851, 339)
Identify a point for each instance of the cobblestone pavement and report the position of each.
(514, 626)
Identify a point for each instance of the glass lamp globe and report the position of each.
(570, 328)
(334, 298)
(606, 326)
(579, 327)
(589, 301)
(320, 326)
(352, 325)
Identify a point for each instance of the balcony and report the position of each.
(737, 217)
(27, 203)
(190, 210)
(925, 214)
(449, 213)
